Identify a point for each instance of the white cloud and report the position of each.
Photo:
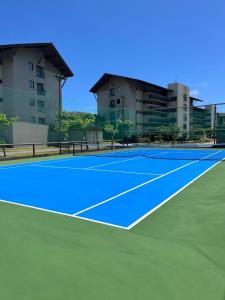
(195, 93)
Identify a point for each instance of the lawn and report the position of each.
(176, 253)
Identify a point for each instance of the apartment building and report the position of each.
(149, 106)
(31, 79)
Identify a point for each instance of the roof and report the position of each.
(50, 53)
(196, 99)
(104, 79)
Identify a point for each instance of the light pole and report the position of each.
(60, 86)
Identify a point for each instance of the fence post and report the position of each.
(73, 149)
(33, 150)
(98, 145)
(3, 149)
(60, 148)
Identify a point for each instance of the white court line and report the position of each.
(170, 197)
(124, 160)
(60, 213)
(142, 184)
(97, 170)
(115, 162)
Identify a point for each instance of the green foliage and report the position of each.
(5, 123)
(68, 122)
(117, 129)
(171, 131)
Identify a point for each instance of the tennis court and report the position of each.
(116, 188)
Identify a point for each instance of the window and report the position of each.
(140, 101)
(184, 126)
(32, 102)
(30, 84)
(33, 119)
(40, 72)
(0, 81)
(136, 100)
(41, 120)
(173, 99)
(118, 101)
(41, 106)
(112, 103)
(118, 90)
(185, 97)
(40, 89)
(1, 100)
(30, 66)
(112, 92)
(185, 118)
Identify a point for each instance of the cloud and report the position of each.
(195, 93)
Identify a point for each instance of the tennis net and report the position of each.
(129, 151)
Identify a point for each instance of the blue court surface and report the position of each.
(119, 189)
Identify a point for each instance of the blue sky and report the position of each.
(157, 41)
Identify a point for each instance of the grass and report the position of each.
(176, 253)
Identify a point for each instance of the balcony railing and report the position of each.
(41, 92)
(40, 74)
(41, 109)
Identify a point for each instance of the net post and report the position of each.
(81, 147)
(98, 145)
(112, 144)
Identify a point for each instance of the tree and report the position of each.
(169, 132)
(5, 123)
(110, 130)
(117, 129)
(68, 122)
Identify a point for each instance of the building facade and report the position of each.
(31, 77)
(148, 106)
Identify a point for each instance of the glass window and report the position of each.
(41, 120)
(40, 103)
(184, 126)
(112, 103)
(185, 117)
(118, 101)
(112, 92)
(33, 119)
(41, 106)
(1, 99)
(185, 97)
(0, 81)
(40, 72)
(118, 90)
(30, 66)
(32, 102)
(30, 84)
(40, 89)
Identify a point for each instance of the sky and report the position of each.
(157, 41)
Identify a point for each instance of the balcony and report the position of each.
(40, 73)
(41, 109)
(41, 92)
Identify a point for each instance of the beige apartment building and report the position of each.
(149, 106)
(31, 80)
